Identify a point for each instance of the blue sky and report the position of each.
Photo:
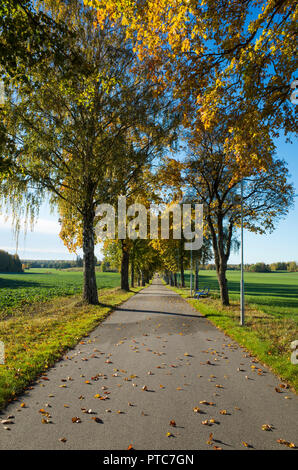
(281, 245)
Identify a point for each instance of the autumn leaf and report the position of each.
(75, 419)
(96, 419)
(196, 410)
(286, 443)
(266, 427)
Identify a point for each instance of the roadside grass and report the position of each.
(269, 328)
(42, 332)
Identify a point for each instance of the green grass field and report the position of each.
(39, 285)
(275, 293)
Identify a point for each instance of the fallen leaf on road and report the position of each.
(246, 444)
(45, 421)
(75, 419)
(266, 427)
(173, 423)
(196, 410)
(286, 443)
(62, 439)
(97, 420)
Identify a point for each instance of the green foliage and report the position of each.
(292, 267)
(10, 263)
(260, 268)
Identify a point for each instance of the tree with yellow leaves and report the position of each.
(218, 58)
(80, 133)
(208, 175)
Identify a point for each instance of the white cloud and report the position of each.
(46, 226)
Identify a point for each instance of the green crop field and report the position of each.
(274, 293)
(38, 285)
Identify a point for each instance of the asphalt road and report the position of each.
(154, 359)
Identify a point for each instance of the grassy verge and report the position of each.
(267, 336)
(39, 335)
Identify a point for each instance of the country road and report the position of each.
(153, 361)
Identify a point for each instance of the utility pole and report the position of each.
(191, 272)
(242, 321)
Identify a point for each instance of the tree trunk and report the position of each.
(220, 257)
(197, 275)
(175, 280)
(132, 273)
(124, 267)
(90, 294)
(143, 279)
(182, 265)
(223, 285)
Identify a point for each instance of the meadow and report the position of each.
(275, 293)
(40, 285)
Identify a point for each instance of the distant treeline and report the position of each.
(61, 264)
(43, 263)
(10, 263)
(290, 266)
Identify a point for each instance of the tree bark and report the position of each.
(143, 279)
(182, 264)
(175, 280)
(132, 272)
(124, 267)
(90, 294)
(220, 258)
(223, 285)
(197, 275)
